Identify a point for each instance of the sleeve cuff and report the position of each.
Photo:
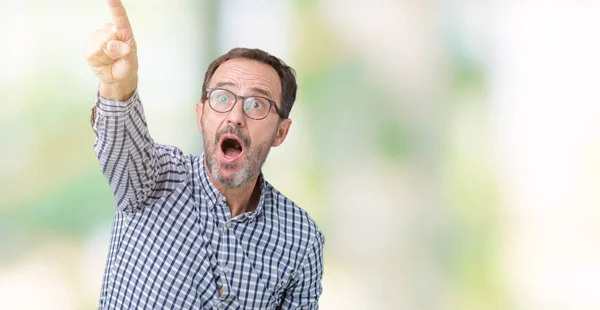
(111, 107)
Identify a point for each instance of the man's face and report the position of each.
(235, 145)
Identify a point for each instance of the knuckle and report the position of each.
(98, 52)
(101, 34)
(88, 53)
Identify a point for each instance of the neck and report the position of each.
(239, 199)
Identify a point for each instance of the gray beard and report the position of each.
(239, 179)
(255, 159)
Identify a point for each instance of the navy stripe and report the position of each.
(105, 162)
(135, 165)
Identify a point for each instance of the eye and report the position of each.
(220, 96)
(254, 103)
(257, 104)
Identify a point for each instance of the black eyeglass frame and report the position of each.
(271, 103)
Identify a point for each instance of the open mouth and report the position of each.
(231, 147)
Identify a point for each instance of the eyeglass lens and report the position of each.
(222, 100)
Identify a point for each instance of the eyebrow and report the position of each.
(260, 91)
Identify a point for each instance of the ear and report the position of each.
(282, 131)
(199, 110)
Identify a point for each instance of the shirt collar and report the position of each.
(261, 200)
(214, 195)
(208, 188)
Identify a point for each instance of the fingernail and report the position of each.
(113, 47)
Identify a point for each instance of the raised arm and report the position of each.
(137, 169)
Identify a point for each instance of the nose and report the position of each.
(236, 116)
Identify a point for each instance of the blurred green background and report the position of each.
(450, 150)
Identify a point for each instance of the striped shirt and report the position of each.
(174, 244)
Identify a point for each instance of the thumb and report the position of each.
(117, 49)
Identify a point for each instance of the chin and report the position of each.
(228, 176)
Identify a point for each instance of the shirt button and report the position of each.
(220, 305)
(226, 269)
(228, 224)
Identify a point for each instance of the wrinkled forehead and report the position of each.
(247, 77)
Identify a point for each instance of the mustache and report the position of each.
(235, 131)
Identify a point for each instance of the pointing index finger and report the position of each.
(119, 14)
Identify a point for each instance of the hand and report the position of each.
(112, 54)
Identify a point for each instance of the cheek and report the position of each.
(262, 136)
(209, 125)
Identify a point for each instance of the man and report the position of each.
(201, 232)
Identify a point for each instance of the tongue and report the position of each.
(232, 152)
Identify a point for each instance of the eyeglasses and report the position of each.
(255, 107)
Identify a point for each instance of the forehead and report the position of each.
(247, 77)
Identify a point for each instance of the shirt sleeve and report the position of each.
(305, 291)
(138, 170)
